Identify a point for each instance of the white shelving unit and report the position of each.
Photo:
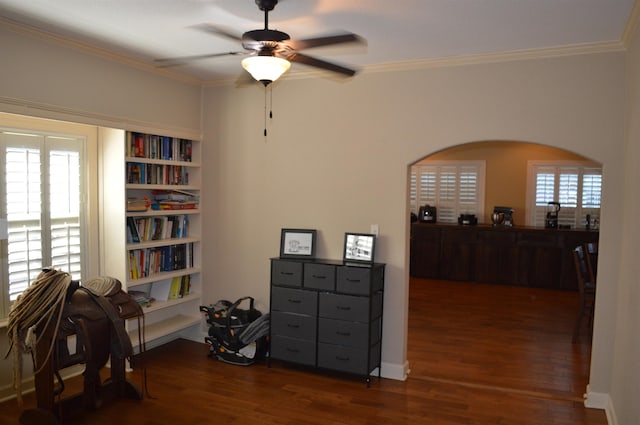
(144, 264)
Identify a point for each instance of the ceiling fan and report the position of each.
(270, 52)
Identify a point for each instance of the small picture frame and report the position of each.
(298, 243)
(359, 248)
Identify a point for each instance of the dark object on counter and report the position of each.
(553, 210)
(428, 214)
(468, 219)
(502, 216)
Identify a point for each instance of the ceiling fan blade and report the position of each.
(170, 62)
(217, 30)
(319, 63)
(324, 41)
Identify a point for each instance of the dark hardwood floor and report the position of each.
(479, 354)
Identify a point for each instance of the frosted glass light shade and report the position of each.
(266, 69)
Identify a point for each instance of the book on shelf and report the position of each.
(180, 287)
(177, 205)
(138, 204)
(174, 195)
(174, 292)
(142, 298)
(160, 290)
(132, 231)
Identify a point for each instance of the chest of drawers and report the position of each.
(326, 314)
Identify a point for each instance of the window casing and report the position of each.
(41, 208)
(577, 186)
(453, 187)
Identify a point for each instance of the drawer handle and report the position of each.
(294, 301)
(293, 350)
(287, 273)
(343, 359)
(343, 333)
(345, 308)
(353, 280)
(318, 277)
(293, 325)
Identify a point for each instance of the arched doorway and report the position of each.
(548, 314)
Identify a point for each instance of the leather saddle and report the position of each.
(97, 307)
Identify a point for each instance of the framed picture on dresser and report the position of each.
(298, 243)
(359, 248)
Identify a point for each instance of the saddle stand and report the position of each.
(97, 322)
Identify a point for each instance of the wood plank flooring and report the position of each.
(479, 354)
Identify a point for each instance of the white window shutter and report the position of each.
(576, 187)
(453, 187)
(42, 194)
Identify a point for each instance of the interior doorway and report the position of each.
(498, 335)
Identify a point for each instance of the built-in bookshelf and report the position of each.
(151, 228)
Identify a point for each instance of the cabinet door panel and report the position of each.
(425, 250)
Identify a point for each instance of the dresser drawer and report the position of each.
(352, 334)
(349, 307)
(348, 359)
(293, 350)
(319, 276)
(293, 325)
(286, 273)
(294, 300)
(359, 280)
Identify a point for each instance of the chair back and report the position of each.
(592, 256)
(584, 272)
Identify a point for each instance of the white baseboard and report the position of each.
(395, 371)
(602, 401)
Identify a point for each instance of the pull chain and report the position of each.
(270, 101)
(268, 91)
(265, 112)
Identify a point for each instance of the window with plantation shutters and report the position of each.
(453, 187)
(576, 186)
(41, 206)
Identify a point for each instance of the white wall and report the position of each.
(44, 78)
(625, 380)
(336, 160)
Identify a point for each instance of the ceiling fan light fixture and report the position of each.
(266, 69)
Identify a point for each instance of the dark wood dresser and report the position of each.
(523, 256)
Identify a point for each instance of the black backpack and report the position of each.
(237, 336)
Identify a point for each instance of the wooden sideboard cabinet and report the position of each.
(326, 314)
(523, 256)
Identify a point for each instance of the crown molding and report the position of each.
(516, 55)
(632, 24)
(24, 29)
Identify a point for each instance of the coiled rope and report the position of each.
(35, 309)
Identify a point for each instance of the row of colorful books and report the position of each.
(148, 261)
(141, 173)
(143, 229)
(158, 147)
